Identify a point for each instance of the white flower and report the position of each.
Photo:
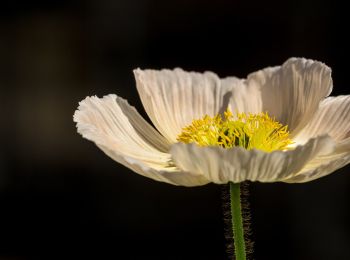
(295, 94)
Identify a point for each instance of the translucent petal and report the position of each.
(126, 137)
(173, 98)
(323, 165)
(292, 92)
(332, 118)
(221, 165)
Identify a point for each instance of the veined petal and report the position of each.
(170, 174)
(332, 118)
(173, 98)
(126, 137)
(243, 98)
(292, 92)
(323, 165)
(221, 165)
(320, 167)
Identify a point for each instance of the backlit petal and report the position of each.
(292, 92)
(126, 137)
(323, 165)
(173, 98)
(221, 165)
(332, 118)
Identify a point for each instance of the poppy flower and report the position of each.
(277, 125)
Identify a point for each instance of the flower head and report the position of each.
(282, 127)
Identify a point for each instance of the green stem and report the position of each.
(237, 223)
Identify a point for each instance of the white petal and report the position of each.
(332, 118)
(321, 167)
(171, 175)
(126, 137)
(221, 165)
(243, 97)
(324, 165)
(292, 92)
(173, 98)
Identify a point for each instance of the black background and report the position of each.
(62, 198)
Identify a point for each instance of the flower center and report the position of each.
(251, 131)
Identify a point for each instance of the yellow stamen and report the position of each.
(251, 131)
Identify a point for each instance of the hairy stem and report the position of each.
(237, 222)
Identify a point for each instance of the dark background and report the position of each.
(62, 198)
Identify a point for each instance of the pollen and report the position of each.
(251, 131)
